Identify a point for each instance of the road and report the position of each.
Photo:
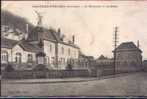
(130, 85)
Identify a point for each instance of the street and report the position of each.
(131, 85)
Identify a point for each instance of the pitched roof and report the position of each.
(40, 33)
(29, 47)
(70, 44)
(127, 46)
(60, 41)
(8, 43)
(102, 57)
(47, 34)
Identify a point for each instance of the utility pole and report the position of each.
(115, 46)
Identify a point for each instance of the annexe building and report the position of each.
(128, 57)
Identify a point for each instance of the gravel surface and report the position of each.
(128, 85)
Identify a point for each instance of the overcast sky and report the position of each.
(92, 26)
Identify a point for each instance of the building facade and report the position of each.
(128, 57)
(58, 54)
(102, 60)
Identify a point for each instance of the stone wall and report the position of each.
(45, 74)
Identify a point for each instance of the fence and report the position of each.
(30, 74)
(45, 74)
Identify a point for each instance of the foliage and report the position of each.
(9, 68)
(40, 67)
(14, 21)
(69, 67)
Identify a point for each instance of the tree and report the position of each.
(9, 68)
(69, 67)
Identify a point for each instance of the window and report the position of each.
(48, 60)
(4, 57)
(75, 53)
(30, 57)
(62, 60)
(53, 60)
(18, 58)
(69, 51)
(68, 61)
(50, 48)
(62, 49)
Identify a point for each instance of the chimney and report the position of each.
(27, 31)
(73, 39)
(27, 28)
(138, 44)
(59, 32)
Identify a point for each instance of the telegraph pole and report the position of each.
(115, 46)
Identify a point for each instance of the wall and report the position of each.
(18, 49)
(9, 53)
(50, 53)
(45, 74)
(74, 54)
(128, 61)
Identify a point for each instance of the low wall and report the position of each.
(29, 74)
(45, 74)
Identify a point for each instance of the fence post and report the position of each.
(34, 75)
(46, 73)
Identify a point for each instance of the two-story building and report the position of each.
(128, 57)
(58, 53)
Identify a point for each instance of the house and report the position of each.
(11, 33)
(58, 54)
(104, 65)
(102, 60)
(83, 61)
(128, 57)
(17, 52)
(67, 52)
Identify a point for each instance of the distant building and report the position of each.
(102, 60)
(104, 65)
(128, 57)
(58, 53)
(144, 65)
(84, 61)
(11, 33)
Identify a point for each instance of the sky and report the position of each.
(92, 22)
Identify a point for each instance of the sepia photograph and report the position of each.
(74, 48)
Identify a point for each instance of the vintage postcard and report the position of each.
(74, 48)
